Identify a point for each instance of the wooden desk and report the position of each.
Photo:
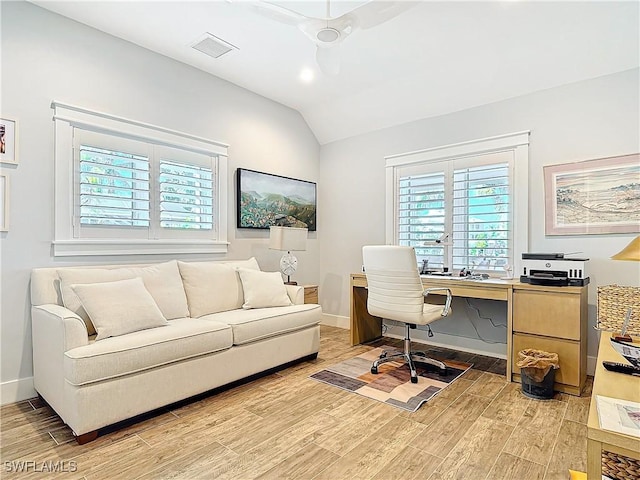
(614, 385)
(533, 314)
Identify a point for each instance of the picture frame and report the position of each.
(600, 196)
(264, 200)
(8, 141)
(4, 203)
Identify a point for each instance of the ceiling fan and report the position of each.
(328, 33)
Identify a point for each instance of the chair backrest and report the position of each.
(395, 288)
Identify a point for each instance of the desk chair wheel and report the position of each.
(374, 370)
(414, 379)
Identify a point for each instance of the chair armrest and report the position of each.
(447, 304)
(59, 321)
(296, 294)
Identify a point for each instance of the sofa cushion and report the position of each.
(138, 351)
(256, 324)
(250, 263)
(162, 280)
(263, 289)
(211, 287)
(120, 307)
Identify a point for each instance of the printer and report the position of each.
(554, 269)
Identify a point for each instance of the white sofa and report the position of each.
(207, 340)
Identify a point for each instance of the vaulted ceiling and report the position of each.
(434, 58)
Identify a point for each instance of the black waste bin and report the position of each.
(539, 390)
(537, 373)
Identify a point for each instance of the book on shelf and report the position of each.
(622, 416)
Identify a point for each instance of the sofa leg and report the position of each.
(86, 437)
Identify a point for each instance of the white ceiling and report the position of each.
(437, 57)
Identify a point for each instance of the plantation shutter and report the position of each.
(482, 217)
(114, 188)
(186, 196)
(421, 215)
(465, 201)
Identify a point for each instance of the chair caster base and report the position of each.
(414, 379)
(374, 370)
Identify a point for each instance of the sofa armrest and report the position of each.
(61, 322)
(54, 331)
(296, 294)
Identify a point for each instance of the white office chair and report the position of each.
(395, 292)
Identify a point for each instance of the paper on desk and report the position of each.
(627, 350)
(617, 415)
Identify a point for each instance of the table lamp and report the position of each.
(288, 239)
(630, 252)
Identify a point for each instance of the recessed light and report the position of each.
(306, 75)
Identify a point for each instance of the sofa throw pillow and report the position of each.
(120, 307)
(211, 287)
(163, 282)
(263, 289)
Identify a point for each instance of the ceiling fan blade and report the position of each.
(278, 13)
(328, 59)
(374, 13)
(345, 24)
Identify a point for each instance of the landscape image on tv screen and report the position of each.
(265, 200)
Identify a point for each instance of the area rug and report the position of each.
(392, 384)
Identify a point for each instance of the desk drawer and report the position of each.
(552, 315)
(568, 354)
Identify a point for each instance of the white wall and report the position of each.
(47, 57)
(586, 120)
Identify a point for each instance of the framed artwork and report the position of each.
(8, 141)
(593, 197)
(264, 200)
(4, 203)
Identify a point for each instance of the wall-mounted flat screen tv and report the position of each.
(264, 200)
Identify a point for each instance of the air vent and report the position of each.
(213, 46)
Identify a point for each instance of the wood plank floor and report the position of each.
(287, 426)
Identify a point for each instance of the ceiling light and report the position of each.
(328, 35)
(306, 75)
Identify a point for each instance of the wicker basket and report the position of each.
(619, 467)
(613, 303)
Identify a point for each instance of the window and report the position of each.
(124, 187)
(458, 207)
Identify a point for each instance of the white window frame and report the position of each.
(67, 118)
(518, 143)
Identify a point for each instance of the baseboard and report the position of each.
(591, 361)
(335, 321)
(17, 390)
(591, 365)
(454, 342)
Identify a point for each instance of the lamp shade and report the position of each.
(630, 252)
(288, 238)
